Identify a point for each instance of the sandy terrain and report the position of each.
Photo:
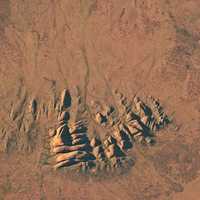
(147, 47)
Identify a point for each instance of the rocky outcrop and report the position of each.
(125, 121)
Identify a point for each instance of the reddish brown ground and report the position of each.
(149, 47)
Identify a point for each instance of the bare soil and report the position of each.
(147, 47)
